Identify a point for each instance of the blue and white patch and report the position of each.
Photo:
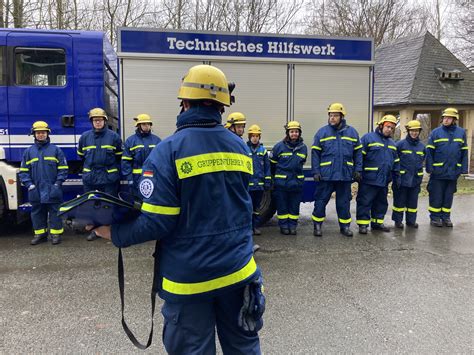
(146, 188)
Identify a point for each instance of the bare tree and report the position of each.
(383, 20)
(18, 13)
(463, 27)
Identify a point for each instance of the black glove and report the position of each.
(317, 177)
(357, 176)
(250, 315)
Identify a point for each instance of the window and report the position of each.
(40, 67)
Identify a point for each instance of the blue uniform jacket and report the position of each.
(412, 154)
(289, 159)
(380, 159)
(336, 153)
(262, 177)
(101, 152)
(447, 153)
(196, 202)
(44, 165)
(136, 150)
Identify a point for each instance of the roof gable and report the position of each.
(406, 73)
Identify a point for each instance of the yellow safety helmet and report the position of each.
(293, 125)
(98, 112)
(451, 112)
(235, 118)
(388, 118)
(40, 126)
(412, 125)
(142, 118)
(205, 82)
(337, 107)
(255, 129)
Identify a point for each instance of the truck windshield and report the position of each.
(40, 67)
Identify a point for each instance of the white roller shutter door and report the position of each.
(261, 95)
(318, 86)
(151, 86)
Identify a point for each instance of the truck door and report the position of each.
(41, 88)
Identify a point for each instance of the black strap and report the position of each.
(127, 330)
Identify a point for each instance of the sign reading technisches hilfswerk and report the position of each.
(231, 45)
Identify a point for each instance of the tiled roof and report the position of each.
(405, 73)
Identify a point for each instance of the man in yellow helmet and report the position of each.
(236, 123)
(380, 164)
(289, 156)
(43, 170)
(446, 159)
(197, 205)
(100, 150)
(405, 197)
(136, 149)
(336, 161)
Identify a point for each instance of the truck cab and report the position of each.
(57, 77)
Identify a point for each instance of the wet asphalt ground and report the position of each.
(407, 291)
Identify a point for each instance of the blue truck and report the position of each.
(58, 76)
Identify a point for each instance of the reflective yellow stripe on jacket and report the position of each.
(212, 163)
(167, 210)
(179, 288)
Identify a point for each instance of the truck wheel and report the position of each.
(267, 207)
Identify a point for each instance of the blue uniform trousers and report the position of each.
(441, 194)
(256, 196)
(405, 200)
(189, 328)
(111, 189)
(288, 207)
(40, 213)
(372, 204)
(322, 195)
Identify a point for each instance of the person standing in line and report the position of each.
(289, 156)
(412, 155)
(261, 178)
(336, 161)
(136, 149)
(380, 163)
(446, 160)
(100, 150)
(43, 170)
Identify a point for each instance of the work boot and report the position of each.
(257, 231)
(40, 238)
(380, 227)
(317, 230)
(92, 236)
(399, 225)
(55, 239)
(363, 229)
(346, 231)
(293, 231)
(436, 222)
(284, 231)
(412, 225)
(447, 222)
(255, 248)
